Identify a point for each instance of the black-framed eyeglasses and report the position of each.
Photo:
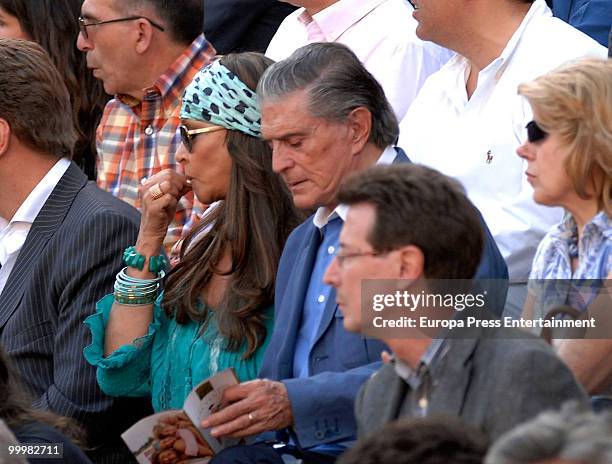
(83, 25)
(535, 133)
(188, 135)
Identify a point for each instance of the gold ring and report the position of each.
(156, 192)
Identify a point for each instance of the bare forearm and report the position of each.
(160, 195)
(128, 322)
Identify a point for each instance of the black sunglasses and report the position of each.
(84, 25)
(535, 133)
(187, 135)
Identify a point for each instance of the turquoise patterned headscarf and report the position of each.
(216, 95)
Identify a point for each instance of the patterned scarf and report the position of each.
(216, 95)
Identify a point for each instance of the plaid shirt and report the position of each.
(136, 139)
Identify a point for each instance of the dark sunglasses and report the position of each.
(84, 25)
(534, 132)
(187, 135)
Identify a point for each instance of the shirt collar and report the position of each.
(460, 65)
(322, 216)
(414, 377)
(537, 9)
(13, 233)
(172, 82)
(568, 229)
(336, 19)
(32, 205)
(603, 222)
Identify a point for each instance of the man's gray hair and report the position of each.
(573, 434)
(336, 83)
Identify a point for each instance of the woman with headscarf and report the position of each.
(216, 309)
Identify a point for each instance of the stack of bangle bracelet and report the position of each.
(133, 291)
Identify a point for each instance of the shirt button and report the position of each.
(149, 130)
(321, 299)
(331, 250)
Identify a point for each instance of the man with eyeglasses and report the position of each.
(489, 376)
(325, 116)
(468, 120)
(145, 52)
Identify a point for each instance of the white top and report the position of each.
(13, 233)
(475, 140)
(382, 35)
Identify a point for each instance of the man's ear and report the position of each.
(412, 262)
(5, 136)
(144, 35)
(360, 125)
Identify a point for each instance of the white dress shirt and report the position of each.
(13, 233)
(382, 35)
(475, 140)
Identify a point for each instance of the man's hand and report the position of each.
(251, 408)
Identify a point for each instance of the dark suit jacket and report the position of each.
(339, 361)
(68, 261)
(593, 17)
(243, 25)
(493, 383)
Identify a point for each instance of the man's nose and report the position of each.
(281, 159)
(83, 44)
(331, 276)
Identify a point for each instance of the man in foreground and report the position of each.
(491, 378)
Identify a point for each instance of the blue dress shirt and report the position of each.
(316, 297)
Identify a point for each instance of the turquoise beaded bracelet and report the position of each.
(134, 259)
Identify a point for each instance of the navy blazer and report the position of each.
(593, 17)
(68, 261)
(340, 361)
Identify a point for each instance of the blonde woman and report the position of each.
(569, 164)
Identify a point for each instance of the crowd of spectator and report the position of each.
(201, 185)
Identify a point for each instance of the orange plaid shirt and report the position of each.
(136, 139)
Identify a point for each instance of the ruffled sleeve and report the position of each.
(127, 371)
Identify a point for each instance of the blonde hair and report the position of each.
(575, 102)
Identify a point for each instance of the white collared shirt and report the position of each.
(382, 35)
(323, 216)
(475, 140)
(14, 233)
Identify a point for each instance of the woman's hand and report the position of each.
(160, 195)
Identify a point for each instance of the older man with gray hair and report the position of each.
(572, 435)
(325, 116)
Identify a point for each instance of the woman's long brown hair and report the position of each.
(251, 224)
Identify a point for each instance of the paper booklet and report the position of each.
(175, 436)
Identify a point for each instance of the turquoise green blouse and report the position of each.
(169, 360)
